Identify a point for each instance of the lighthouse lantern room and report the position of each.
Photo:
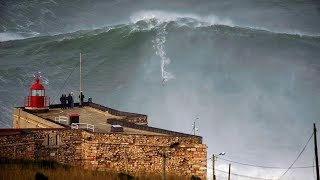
(37, 100)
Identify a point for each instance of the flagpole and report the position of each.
(80, 75)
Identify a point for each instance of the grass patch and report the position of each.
(29, 170)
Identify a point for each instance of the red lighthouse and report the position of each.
(37, 99)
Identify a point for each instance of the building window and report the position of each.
(37, 93)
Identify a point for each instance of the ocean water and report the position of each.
(247, 72)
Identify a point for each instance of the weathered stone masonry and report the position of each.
(129, 153)
(88, 139)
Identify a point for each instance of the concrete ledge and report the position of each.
(152, 129)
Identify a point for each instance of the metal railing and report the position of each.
(86, 126)
(61, 119)
(149, 128)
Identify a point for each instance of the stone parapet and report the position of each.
(140, 119)
(23, 119)
(132, 154)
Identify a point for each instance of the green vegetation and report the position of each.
(27, 169)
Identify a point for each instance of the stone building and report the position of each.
(100, 138)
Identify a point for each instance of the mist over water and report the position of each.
(246, 71)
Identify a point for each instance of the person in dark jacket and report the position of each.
(70, 101)
(65, 101)
(81, 96)
(61, 101)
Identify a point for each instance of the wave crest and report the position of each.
(198, 21)
(193, 20)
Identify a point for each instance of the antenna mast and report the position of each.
(194, 129)
(316, 149)
(80, 73)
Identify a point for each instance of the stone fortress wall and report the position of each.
(128, 153)
(36, 138)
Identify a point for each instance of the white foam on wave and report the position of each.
(158, 45)
(163, 16)
(83, 33)
(9, 36)
(156, 18)
(2, 79)
(294, 32)
(204, 21)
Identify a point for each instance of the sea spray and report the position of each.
(167, 16)
(158, 45)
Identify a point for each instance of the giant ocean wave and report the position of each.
(146, 27)
(257, 81)
(152, 19)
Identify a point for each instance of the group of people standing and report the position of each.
(67, 101)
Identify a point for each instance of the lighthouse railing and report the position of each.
(82, 126)
(46, 101)
(27, 101)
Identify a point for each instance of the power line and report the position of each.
(252, 165)
(297, 157)
(66, 81)
(270, 167)
(245, 176)
(262, 166)
(5, 124)
(221, 177)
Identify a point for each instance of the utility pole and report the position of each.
(163, 164)
(80, 76)
(316, 149)
(229, 171)
(126, 159)
(213, 175)
(165, 154)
